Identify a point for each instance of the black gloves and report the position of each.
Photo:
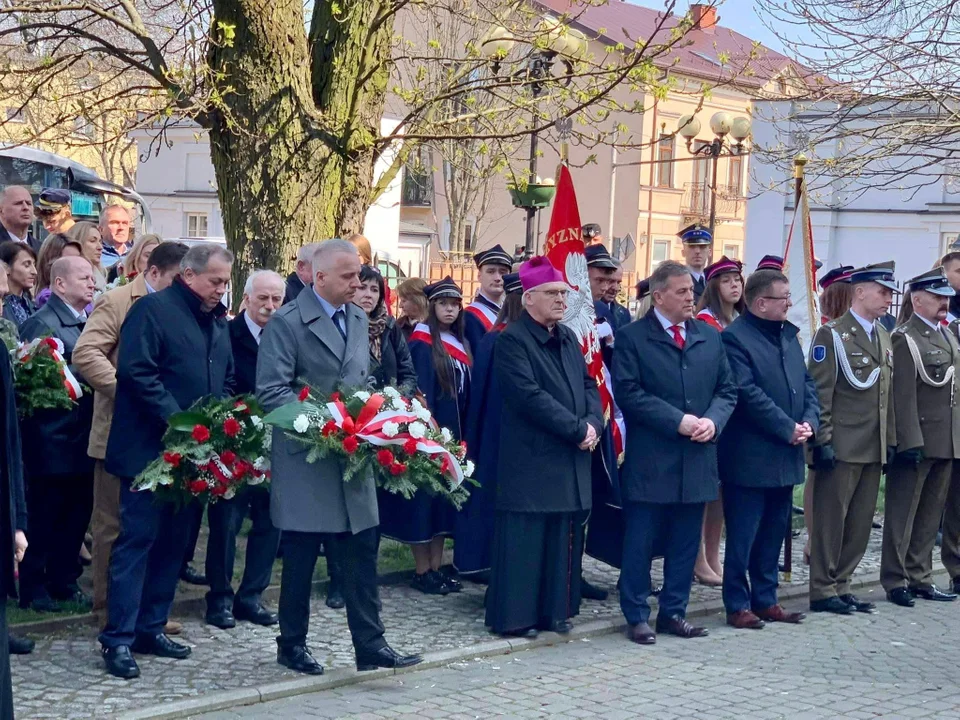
(823, 457)
(909, 457)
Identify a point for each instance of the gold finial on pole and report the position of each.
(798, 162)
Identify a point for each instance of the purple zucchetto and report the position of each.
(538, 271)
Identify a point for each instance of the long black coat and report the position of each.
(294, 286)
(55, 441)
(13, 506)
(171, 355)
(395, 366)
(656, 384)
(548, 399)
(245, 349)
(774, 393)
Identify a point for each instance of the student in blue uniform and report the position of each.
(474, 526)
(442, 362)
(480, 316)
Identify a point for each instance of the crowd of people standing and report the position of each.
(717, 415)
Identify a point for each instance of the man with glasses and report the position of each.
(851, 361)
(760, 453)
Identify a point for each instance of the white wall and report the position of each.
(855, 221)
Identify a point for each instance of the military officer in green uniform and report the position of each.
(926, 361)
(851, 361)
(950, 547)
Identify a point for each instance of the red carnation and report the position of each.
(398, 468)
(385, 458)
(462, 450)
(304, 394)
(232, 427)
(219, 490)
(329, 428)
(445, 465)
(241, 469)
(49, 342)
(172, 459)
(197, 486)
(241, 406)
(350, 444)
(228, 457)
(335, 397)
(410, 447)
(200, 433)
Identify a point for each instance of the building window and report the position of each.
(732, 251)
(83, 128)
(15, 116)
(665, 153)
(417, 187)
(196, 225)
(735, 176)
(661, 253)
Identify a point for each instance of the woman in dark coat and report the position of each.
(21, 262)
(442, 363)
(473, 536)
(390, 362)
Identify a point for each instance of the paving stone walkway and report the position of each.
(897, 663)
(64, 677)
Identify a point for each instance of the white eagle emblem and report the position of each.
(580, 315)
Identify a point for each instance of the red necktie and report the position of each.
(677, 337)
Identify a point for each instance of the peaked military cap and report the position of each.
(881, 273)
(838, 274)
(511, 283)
(933, 281)
(771, 262)
(722, 266)
(695, 234)
(52, 199)
(598, 257)
(445, 288)
(495, 256)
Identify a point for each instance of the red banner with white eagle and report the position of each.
(564, 248)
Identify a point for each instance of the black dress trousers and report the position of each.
(357, 555)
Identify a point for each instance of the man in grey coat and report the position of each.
(321, 339)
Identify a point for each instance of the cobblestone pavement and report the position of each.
(64, 678)
(896, 664)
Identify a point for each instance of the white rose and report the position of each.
(446, 435)
(301, 424)
(417, 430)
(257, 422)
(468, 469)
(362, 395)
(390, 429)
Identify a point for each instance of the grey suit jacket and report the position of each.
(301, 345)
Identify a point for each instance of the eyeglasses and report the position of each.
(552, 293)
(788, 296)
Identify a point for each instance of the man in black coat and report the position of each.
(673, 384)
(263, 296)
(174, 350)
(59, 471)
(302, 276)
(760, 453)
(551, 421)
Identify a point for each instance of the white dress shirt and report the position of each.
(866, 324)
(255, 329)
(667, 325)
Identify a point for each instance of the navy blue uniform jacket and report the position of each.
(656, 384)
(171, 355)
(774, 393)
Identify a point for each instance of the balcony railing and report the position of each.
(417, 190)
(696, 200)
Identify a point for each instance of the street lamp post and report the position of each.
(722, 125)
(563, 42)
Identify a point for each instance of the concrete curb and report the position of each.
(345, 676)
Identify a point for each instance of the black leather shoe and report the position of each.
(161, 646)
(221, 618)
(831, 604)
(592, 592)
(257, 614)
(120, 662)
(901, 596)
(385, 657)
(335, 597)
(932, 592)
(528, 633)
(680, 627)
(20, 645)
(561, 628)
(299, 658)
(452, 584)
(191, 575)
(430, 583)
(858, 605)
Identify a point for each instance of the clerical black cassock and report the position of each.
(543, 491)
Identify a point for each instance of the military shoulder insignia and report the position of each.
(819, 353)
(845, 337)
(831, 324)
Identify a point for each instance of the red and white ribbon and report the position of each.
(369, 427)
(453, 346)
(56, 349)
(483, 313)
